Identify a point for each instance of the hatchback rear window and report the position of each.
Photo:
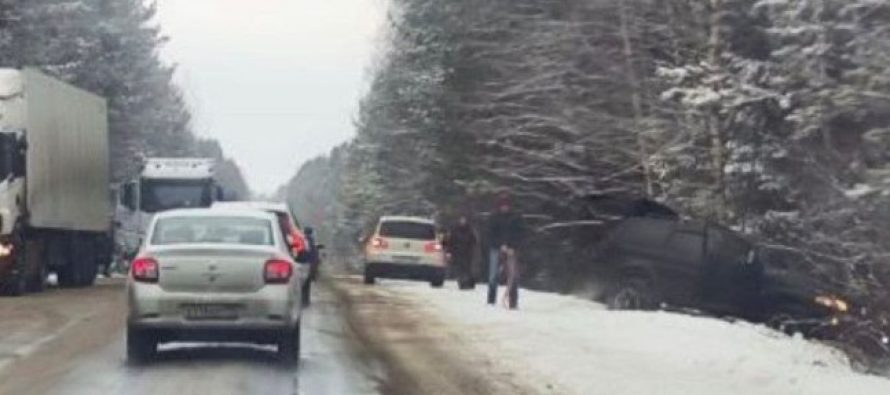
(408, 230)
(213, 230)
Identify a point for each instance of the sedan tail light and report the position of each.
(278, 271)
(379, 243)
(432, 247)
(145, 270)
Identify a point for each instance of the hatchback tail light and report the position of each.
(432, 247)
(379, 243)
(145, 270)
(278, 271)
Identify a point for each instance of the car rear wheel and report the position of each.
(142, 345)
(289, 346)
(632, 294)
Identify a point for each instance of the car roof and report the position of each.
(400, 218)
(217, 212)
(264, 206)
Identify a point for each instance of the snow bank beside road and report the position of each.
(565, 345)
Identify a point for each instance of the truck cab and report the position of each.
(162, 184)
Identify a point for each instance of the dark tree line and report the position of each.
(111, 48)
(769, 116)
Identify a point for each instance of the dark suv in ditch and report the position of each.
(662, 262)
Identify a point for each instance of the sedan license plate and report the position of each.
(210, 311)
(406, 259)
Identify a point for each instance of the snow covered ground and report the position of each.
(566, 345)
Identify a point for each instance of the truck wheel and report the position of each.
(89, 271)
(142, 346)
(289, 346)
(58, 257)
(632, 294)
(82, 262)
(37, 282)
(15, 284)
(35, 260)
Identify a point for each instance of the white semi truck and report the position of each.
(55, 208)
(162, 184)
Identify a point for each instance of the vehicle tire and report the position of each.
(37, 281)
(633, 293)
(142, 346)
(35, 259)
(289, 346)
(369, 278)
(15, 284)
(83, 262)
(58, 256)
(306, 293)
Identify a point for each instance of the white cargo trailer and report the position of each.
(55, 208)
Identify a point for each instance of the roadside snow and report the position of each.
(566, 345)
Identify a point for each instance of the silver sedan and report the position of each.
(214, 275)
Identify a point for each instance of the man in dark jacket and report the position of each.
(314, 254)
(461, 244)
(505, 230)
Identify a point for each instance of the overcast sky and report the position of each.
(277, 82)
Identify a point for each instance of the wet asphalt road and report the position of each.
(88, 358)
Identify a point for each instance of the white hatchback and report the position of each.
(214, 275)
(405, 248)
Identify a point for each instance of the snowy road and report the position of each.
(402, 338)
(86, 355)
(357, 340)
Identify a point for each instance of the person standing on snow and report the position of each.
(461, 244)
(314, 254)
(505, 230)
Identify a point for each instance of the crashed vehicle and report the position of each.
(701, 266)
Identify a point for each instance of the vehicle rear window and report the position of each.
(408, 230)
(213, 230)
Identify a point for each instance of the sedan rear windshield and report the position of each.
(408, 230)
(213, 230)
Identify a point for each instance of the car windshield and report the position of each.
(407, 230)
(213, 230)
